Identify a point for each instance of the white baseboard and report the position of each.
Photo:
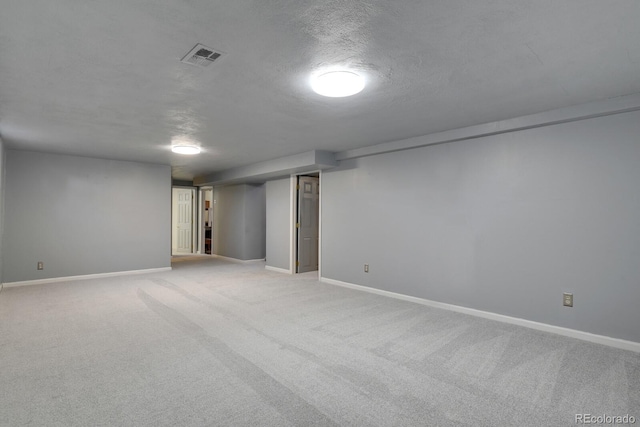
(84, 277)
(277, 269)
(573, 333)
(241, 261)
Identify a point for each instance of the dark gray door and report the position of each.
(308, 210)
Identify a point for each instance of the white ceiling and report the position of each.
(104, 78)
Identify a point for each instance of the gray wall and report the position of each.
(255, 222)
(503, 224)
(239, 221)
(2, 182)
(83, 216)
(278, 218)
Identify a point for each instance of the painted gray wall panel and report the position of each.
(278, 217)
(239, 221)
(504, 224)
(228, 221)
(2, 182)
(84, 216)
(256, 223)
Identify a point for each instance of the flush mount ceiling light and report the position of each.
(337, 84)
(185, 149)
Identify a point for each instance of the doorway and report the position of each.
(307, 227)
(206, 221)
(182, 220)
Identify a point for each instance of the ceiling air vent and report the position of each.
(201, 55)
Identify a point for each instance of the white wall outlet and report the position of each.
(366, 268)
(40, 265)
(567, 299)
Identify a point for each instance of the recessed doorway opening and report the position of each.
(306, 223)
(206, 221)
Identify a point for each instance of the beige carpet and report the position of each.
(219, 343)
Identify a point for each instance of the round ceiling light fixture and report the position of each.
(185, 149)
(337, 84)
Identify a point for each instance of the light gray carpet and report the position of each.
(218, 343)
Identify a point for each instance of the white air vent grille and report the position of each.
(201, 55)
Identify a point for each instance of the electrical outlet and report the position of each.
(567, 300)
(366, 268)
(40, 265)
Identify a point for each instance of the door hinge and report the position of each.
(297, 186)
(297, 225)
(297, 263)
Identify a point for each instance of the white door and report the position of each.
(183, 220)
(308, 203)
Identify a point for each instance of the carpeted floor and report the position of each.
(218, 343)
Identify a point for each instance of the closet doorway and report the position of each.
(206, 221)
(307, 240)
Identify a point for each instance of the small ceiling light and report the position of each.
(337, 84)
(185, 149)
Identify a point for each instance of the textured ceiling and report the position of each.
(104, 78)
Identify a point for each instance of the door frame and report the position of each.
(293, 219)
(201, 218)
(193, 217)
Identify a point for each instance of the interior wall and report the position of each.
(255, 222)
(228, 221)
(278, 244)
(82, 215)
(2, 182)
(239, 221)
(503, 224)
